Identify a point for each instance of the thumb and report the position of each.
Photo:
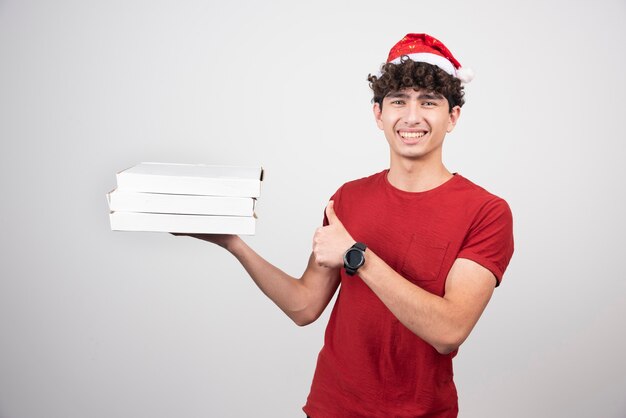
(330, 213)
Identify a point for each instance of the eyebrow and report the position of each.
(422, 96)
(430, 96)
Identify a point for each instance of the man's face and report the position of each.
(415, 123)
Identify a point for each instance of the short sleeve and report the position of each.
(489, 241)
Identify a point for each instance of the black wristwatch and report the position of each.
(354, 258)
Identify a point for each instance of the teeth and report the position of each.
(412, 134)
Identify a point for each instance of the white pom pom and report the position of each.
(465, 74)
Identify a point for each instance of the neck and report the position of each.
(416, 176)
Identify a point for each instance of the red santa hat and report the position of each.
(420, 47)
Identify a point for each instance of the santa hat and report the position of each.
(420, 47)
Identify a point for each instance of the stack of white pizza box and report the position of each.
(186, 198)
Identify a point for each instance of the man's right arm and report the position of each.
(303, 299)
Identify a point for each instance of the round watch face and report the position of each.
(354, 258)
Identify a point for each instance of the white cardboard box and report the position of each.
(200, 224)
(192, 179)
(127, 201)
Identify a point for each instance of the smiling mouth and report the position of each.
(411, 135)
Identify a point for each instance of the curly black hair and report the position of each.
(417, 75)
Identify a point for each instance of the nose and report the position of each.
(413, 114)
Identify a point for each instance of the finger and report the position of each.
(330, 213)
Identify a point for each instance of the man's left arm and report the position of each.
(444, 322)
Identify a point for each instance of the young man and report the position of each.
(416, 249)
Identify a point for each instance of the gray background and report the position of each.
(95, 323)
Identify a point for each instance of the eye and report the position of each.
(397, 102)
(429, 104)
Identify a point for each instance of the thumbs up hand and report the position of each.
(330, 242)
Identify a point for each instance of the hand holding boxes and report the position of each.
(186, 198)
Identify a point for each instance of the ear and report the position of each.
(454, 115)
(377, 115)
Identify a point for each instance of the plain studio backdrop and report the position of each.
(95, 323)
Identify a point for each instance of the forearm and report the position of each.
(287, 292)
(441, 322)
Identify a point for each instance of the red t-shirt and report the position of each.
(371, 365)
